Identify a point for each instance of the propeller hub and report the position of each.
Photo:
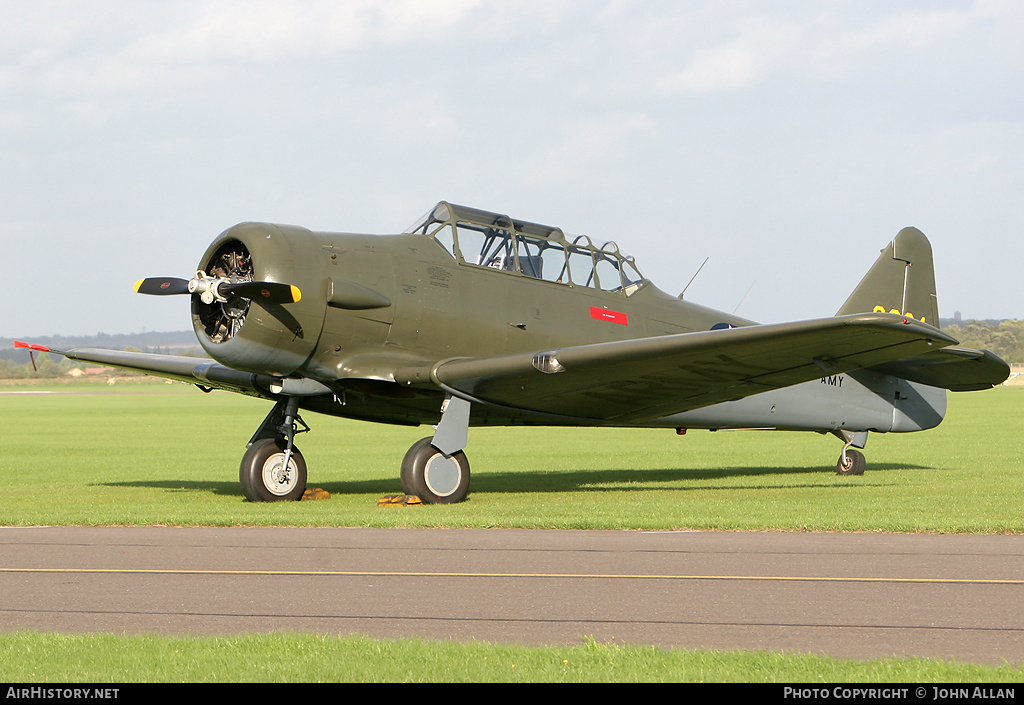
(207, 287)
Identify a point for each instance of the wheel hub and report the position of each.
(442, 475)
(278, 478)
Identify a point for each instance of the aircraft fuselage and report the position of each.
(375, 305)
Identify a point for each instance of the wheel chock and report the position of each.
(398, 500)
(314, 493)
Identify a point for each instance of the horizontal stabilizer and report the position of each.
(954, 368)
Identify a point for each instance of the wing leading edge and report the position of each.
(637, 380)
(203, 372)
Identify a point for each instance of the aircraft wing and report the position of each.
(636, 380)
(203, 372)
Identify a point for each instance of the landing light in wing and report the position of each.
(547, 363)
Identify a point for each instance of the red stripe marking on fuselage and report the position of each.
(603, 314)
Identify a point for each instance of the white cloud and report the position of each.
(915, 30)
(270, 30)
(727, 67)
(77, 48)
(671, 127)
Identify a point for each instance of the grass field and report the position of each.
(168, 454)
(152, 453)
(311, 658)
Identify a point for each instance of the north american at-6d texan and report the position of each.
(471, 318)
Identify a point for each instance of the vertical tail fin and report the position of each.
(902, 281)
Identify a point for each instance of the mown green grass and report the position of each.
(169, 455)
(308, 658)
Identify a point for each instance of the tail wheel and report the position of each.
(435, 479)
(851, 462)
(264, 475)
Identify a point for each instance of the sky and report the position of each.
(785, 142)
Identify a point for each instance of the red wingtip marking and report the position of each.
(30, 346)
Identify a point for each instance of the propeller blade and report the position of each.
(161, 286)
(266, 292)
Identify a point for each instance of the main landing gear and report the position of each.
(851, 462)
(434, 478)
(435, 469)
(270, 472)
(273, 469)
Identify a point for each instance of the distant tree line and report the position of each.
(1004, 338)
(45, 368)
(176, 342)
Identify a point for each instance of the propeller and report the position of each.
(164, 286)
(211, 289)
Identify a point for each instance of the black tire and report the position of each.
(262, 479)
(427, 474)
(854, 465)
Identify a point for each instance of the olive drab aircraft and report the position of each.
(471, 318)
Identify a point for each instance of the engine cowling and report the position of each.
(250, 334)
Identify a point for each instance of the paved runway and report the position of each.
(849, 595)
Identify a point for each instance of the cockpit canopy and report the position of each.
(485, 239)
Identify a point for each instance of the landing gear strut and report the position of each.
(273, 469)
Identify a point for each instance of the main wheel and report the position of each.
(263, 474)
(432, 477)
(854, 464)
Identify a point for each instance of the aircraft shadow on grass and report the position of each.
(218, 488)
(648, 480)
(540, 481)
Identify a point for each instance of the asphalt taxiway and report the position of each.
(849, 595)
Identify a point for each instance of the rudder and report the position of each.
(901, 281)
